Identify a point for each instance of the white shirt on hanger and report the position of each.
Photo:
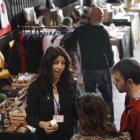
(3, 14)
(57, 40)
(47, 42)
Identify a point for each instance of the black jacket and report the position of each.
(95, 46)
(42, 104)
(14, 60)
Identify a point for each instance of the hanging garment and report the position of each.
(32, 52)
(47, 42)
(57, 40)
(26, 48)
(3, 15)
(9, 5)
(39, 53)
(64, 38)
(22, 54)
(14, 60)
(35, 52)
(5, 30)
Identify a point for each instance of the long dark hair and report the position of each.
(93, 115)
(71, 47)
(45, 74)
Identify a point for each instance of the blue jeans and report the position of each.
(102, 78)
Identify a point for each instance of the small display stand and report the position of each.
(22, 85)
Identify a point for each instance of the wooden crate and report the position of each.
(11, 99)
(3, 106)
(17, 117)
(19, 85)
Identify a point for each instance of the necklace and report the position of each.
(54, 86)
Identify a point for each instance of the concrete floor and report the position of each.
(118, 98)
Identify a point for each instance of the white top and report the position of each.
(47, 42)
(57, 41)
(3, 14)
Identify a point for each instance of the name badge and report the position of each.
(58, 118)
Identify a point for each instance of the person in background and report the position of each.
(67, 21)
(52, 96)
(94, 121)
(72, 50)
(96, 57)
(86, 10)
(66, 28)
(126, 74)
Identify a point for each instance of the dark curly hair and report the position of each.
(45, 74)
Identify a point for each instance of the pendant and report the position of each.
(54, 86)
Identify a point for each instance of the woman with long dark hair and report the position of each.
(72, 51)
(94, 121)
(52, 96)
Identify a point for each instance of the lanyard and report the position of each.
(57, 105)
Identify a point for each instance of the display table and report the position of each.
(134, 24)
(18, 85)
(12, 136)
(124, 45)
(133, 9)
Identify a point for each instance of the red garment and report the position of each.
(5, 30)
(22, 54)
(2, 7)
(130, 119)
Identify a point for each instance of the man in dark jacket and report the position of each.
(97, 57)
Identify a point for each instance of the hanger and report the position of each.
(33, 30)
(53, 32)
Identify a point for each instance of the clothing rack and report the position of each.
(38, 29)
(54, 27)
(32, 47)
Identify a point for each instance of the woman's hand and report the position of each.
(47, 127)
